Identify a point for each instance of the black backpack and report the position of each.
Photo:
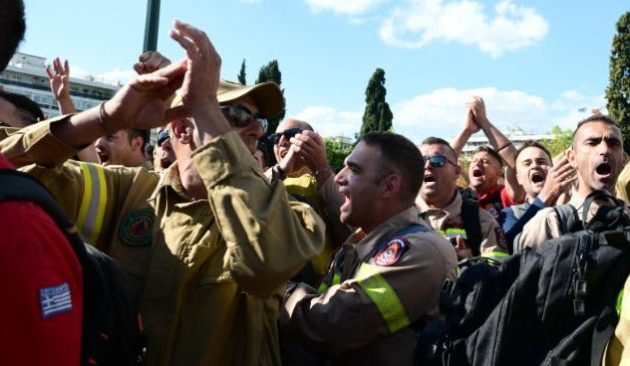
(550, 305)
(110, 334)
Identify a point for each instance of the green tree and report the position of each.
(271, 72)
(377, 115)
(618, 91)
(241, 75)
(336, 152)
(559, 143)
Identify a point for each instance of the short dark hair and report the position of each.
(439, 141)
(531, 143)
(400, 153)
(492, 152)
(136, 132)
(12, 28)
(30, 112)
(594, 118)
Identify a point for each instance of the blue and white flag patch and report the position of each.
(55, 300)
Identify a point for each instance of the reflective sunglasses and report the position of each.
(437, 161)
(288, 133)
(240, 116)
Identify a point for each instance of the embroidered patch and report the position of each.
(137, 227)
(55, 300)
(391, 253)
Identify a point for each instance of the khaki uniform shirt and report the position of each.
(209, 272)
(623, 184)
(326, 200)
(378, 285)
(448, 222)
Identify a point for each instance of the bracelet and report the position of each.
(102, 118)
(504, 146)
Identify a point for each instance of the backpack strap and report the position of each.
(471, 221)
(567, 218)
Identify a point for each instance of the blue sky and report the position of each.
(535, 62)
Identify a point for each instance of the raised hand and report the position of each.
(150, 61)
(559, 179)
(311, 147)
(477, 107)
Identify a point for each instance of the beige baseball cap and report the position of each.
(267, 96)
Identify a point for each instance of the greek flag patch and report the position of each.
(55, 300)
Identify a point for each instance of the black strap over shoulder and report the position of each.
(471, 221)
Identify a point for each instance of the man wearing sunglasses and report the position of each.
(209, 246)
(303, 168)
(442, 206)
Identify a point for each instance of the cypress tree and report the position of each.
(618, 91)
(241, 75)
(377, 115)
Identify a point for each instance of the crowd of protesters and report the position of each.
(230, 261)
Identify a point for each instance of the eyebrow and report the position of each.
(353, 165)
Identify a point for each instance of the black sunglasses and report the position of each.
(240, 116)
(288, 133)
(437, 161)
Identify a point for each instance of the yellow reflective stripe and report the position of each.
(324, 286)
(453, 231)
(92, 209)
(384, 297)
(618, 303)
(495, 255)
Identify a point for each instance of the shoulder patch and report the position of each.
(137, 227)
(391, 253)
(55, 300)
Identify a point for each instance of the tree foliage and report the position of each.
(618, 91)
(271, 72)
(377, 115)
(336, 152)
(242, 76)
(560, 142)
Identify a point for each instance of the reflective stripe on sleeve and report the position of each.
(619, 302)
(335, 281)
(495, 254)
(384, 297)
(450, 232)
(92, 209)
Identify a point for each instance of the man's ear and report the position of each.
(571, 156)
(182, 131)
(136, 143)
(392, 184)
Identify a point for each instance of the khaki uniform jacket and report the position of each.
(622, 187)
(448, 222)
(363, 317)
(209, 273)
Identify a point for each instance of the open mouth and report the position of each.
(477, 172)
(604, 169)
(429, 179)
(538, 178)
(102, 157)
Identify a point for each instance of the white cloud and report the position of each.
(346, 7)
(421, 22)
(330, 122)
(441, 113)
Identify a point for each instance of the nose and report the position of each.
(340, 178)
(99, 142)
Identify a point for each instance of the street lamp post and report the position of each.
(152, 25)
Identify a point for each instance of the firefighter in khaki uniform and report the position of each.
(388, 274)
(441, 203)
(216, 242)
